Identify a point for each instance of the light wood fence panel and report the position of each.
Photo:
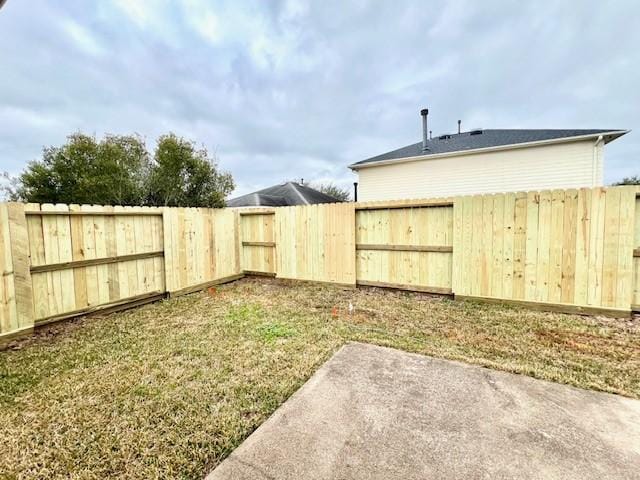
(635, 298)
(16, 301)
(578, 249)
(561, 247)
(200, 247)
(408, 247)
(85, 257)
(8, 313)
(316, 242)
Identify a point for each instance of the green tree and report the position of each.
(184, 176)
(118, 170)
(342, 194)
(84, 170)
(633, 180)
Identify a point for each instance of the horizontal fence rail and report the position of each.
(403, 204)
(565, 250)
(72, 213)
(406, 248)
(52, 267)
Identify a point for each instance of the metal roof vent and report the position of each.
(424, 113)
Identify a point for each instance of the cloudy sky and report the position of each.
(290, 89)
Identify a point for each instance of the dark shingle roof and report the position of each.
(290, 193)
(486, 139)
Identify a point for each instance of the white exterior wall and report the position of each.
(564, 165)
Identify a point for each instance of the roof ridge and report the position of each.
(295, 189)
(490, 139)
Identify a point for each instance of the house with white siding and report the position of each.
(485, 161)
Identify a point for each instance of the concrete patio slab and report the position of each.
(377, 413)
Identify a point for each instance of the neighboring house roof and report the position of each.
(290, 193)
(468, 142)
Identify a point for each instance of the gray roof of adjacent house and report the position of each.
(486, 139)
(286, 194)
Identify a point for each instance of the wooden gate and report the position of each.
(258, 242)
(405, 246)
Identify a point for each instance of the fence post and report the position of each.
(237, 235)
(169, 233)
(16, 296)
(457, 242)
(635, 245)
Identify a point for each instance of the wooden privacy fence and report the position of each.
(405, 246)
(60, 261)
(573, 247)
(200, 248)
(574, 250)
(316, 243)
(85, 256)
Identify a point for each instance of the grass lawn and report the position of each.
(168, 390)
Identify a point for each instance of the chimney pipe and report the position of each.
(459, 122)
(424, 112)
(355, 191)
(430, 136)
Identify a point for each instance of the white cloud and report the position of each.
(82, 38)
(208, 26)
(141, 12)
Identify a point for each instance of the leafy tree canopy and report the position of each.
(183, 176)
(84, 170)
(118, 170)
(633, 180)
(332, 189)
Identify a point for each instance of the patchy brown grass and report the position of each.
(168, 390)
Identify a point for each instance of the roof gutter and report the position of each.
(513, 146)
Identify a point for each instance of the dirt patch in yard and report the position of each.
(616, 346)
(169, 389)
